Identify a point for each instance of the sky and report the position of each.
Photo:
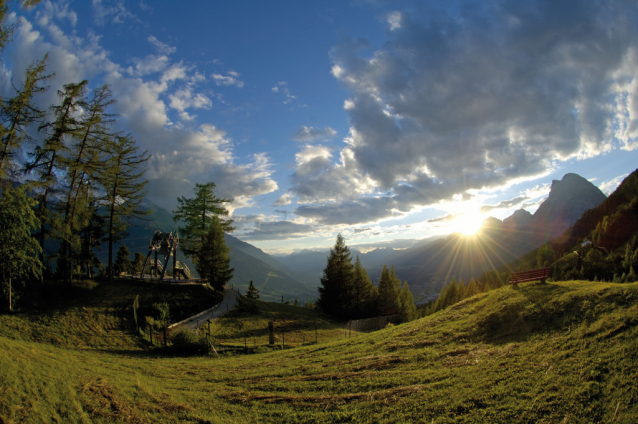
(385, 121)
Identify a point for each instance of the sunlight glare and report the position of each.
(468, 224)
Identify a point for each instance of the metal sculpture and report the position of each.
(163, 244)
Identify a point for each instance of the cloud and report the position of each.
(231, 79)
(113, 11)
(282, 87)
(59, 10)
(145, 95)
(278, 230)
(474, 97)
(505, 204)
(284, 199)
(310, 134)
(446, 218)
(162, 48)
(608, 187)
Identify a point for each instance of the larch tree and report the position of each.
(123, 184)
(19, 113)
(335, 291)
(18, 250)
(47, 159)
(83, 163)
(197, 214)
(213, 257)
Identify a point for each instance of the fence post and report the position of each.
(271, 333)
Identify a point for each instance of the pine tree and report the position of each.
(124, 188)
(213, 258)
(253, 292)
(122, 261)
(197, 213)
(337, 281)
(18, 250)
(138, 262)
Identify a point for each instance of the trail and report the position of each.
(228, 303)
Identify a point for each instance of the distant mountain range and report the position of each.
(427, 266)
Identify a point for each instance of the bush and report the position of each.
(188, 343)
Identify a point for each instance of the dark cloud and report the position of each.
(505, 204)
(310, 134)
(474, 96)
(278, 230)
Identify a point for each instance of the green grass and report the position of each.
(553, 353)
(293, 326)
(95, 315)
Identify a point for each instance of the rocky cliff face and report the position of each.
(568, 199)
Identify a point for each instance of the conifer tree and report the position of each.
(253, 292)
(197, 213)
(337, 282)
(388, 291)
(407, 308)
(213, 257)
(83, 163)
(366, 296)
(18, 250)
(122, 261)
(124, 187)
(18, 113)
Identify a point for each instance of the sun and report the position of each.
(467, 224)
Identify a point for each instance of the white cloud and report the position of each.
(608, 187)
(231, 79)
(149, 65)
(113, 11)
(283, 200)
(282, 88)
(59, 10)
(310, 134)
(180, 157)
(463, 99)
(162, 48)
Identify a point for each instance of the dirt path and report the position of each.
(228, 303)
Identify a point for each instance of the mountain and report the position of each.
(568, 200)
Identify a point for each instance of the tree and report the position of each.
(213, 257)
(47, 159)
(18, 113)
(122, 261)
(337, 281)
(83, 163)
(18, 250)
(124, 188)
(407, 308)
(138, 262)
(253, 292)
(388, 291)
(197, 214)
(366, 296)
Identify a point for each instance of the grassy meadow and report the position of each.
(555, 353)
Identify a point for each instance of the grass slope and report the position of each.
(94, 315)
(559, 352)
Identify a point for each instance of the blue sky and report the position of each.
(387, 121)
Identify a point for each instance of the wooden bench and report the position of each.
(535, 274)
